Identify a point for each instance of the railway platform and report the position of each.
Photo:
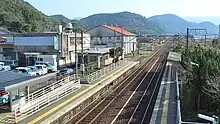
(73, 102)
(165, 109)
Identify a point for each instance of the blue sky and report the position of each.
(84, 8)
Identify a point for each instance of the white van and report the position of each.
(12, 63)
(50, 67)
(4, 67)
(43, 69)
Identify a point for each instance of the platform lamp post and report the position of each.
(82, 65)
(114, 47)
(76, 55)
(122, 42)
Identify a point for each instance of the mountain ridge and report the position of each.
(173, 23)
(214, 19)
(60, 17)
(23, 17)
(166, 23)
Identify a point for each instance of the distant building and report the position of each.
(104, 36)
(100, 56)
(57, 48)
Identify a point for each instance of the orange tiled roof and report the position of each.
(119, 30)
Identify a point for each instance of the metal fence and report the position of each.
(179, 117)
(178, 101)
(44, 97)
(102, 72)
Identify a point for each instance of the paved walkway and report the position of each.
(52, 112)
(166, 104)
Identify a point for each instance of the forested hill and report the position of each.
(20, 16)
(167, 23)
(130, 21)
(60, 18)
(170, 23)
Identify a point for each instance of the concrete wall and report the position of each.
(101, 35)
(68, 46)
(1, 57)
(48, 44)
(71, 41)
(34, 41)
(130, 41)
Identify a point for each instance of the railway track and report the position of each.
(126, 103)
(141, 104)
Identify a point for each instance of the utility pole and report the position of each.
(82, 55)
(205, 40)
(133, 49)
(76, 55)
(187, 36)
(187, 40)
(219, 32)
(122, 41)
(114, 46)
(138, 43)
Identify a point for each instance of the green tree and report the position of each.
(17, 14)
(16, 26)
(34, 28)
(115, 53)
(208, 60)
(27, 28)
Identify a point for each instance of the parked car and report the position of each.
(4, 67)
(50, 67)
(66, 71)
(35, 69)
(12, 63)
(42, 68)
(26, 70)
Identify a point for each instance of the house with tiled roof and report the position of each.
(104, 36)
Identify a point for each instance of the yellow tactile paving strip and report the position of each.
(78, 95)
(165, 103)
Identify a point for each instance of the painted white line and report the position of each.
(145, 91)
(157, 107)
(118, 94)
(145, 113)
(133, 92)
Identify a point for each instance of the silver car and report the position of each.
(36, 70)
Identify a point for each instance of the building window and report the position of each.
(100, 38)
(92, 38)
(109, 38)
(72, 40)
(106, 57)
(40, 59)
(93, 58)
(118, 38)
